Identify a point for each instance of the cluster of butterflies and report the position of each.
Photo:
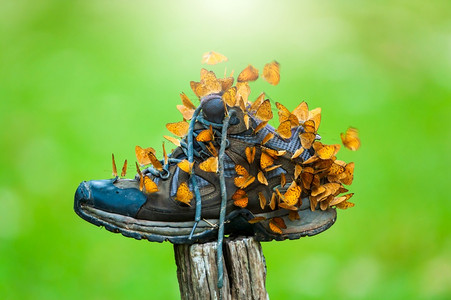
(320, 178)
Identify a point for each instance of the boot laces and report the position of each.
(188, 147)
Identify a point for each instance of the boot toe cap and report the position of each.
(120, 198)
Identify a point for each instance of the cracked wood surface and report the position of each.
(244, 270)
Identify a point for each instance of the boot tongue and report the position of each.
(213, 108)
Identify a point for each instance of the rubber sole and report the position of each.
(309, 224)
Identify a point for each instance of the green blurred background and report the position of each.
(82, 79)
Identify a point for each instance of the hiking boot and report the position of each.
(232, 173)
(120, 206)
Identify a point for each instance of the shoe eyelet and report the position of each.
(165, 174)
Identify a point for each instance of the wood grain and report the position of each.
(244, 270)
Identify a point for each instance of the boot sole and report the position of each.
(309, 224)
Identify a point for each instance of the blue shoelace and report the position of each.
(190, 151)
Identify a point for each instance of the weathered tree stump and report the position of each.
(244, 270)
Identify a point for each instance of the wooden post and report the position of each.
(244, 270)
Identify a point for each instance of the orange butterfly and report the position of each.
(211, 148)
(179, 129)
(257, 102)
(311, 160)
(309, 136)
(186, 113)
(293, 194)
(338, 200)
(283, 179)
(345, 205)
(184, 194)
(206, 135)
(165, 155)
(297, 153)
(268, 169)
(185, 166)
(250, 154)
(293, 215)
(172, 140)
(331, 188)
(267, 137)
(208, 84)
(316, 180)
(348, 175)
(323, 205)
(317, 190)
(325, 151)
(256, 220)
(146, 156)
(279, 222)
(335, 169)
(309, 126)
(199, 89)
(241, 104)
(262, 199)
(142, 155)
(226, 83)
(351, 139)
(274, 228)
(285, 115)
(114, 166)
(246, 120)
(272, 203)
(187, 108)
(149, 185)
(229, 97)
(307, 139)
(315, 116)
(297, 171)
(301, 112)
(264, 111)
(141, 180)
(260, 126)
(261, 178)
(288, 207)
(243, 91)
(248, 74)
(210, 165)
(124, 169)
(187, 102)
(244, 179)
(271, 73)
(344, 177)
(266, 160)
(274, 153)
(213, 58)
(284, 129)
(240, 198)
